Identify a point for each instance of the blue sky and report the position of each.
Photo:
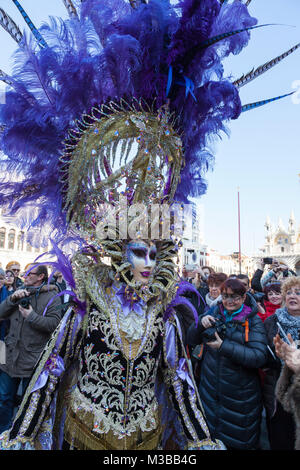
(261, 157)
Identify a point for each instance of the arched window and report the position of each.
(11, 239)
(21, 241)
(2, 237)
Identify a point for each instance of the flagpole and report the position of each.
(239, 232)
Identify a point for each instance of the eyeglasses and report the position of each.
(29, 274)
(291, 292)
(233, 297)
(16, 270)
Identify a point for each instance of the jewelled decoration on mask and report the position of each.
(119, 150)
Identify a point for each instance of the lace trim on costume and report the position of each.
(19, 443)
(34, 399)
(106, 420)
(108, 305)
(133, 325)
(198, 414)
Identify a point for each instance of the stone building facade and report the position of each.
(195, 252)
(14, 247)
(283, 243)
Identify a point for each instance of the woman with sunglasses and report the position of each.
(229, 383)
(10, 281)
(15, 267)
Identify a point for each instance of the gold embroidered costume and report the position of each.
(117, 103)
(109, 398)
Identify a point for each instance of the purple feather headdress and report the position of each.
(113, 50)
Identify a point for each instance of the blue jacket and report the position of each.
(4, 325)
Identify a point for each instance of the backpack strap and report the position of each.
(246, 325)
(198, 352)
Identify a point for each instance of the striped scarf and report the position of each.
(289, 323)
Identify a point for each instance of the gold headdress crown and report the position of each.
(120, 150)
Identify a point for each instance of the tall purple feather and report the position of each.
(64, 265)
(179, 299)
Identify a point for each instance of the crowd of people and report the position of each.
(29, 313)
(244, 353)
(243, 350)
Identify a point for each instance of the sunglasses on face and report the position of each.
(233, 297)
(291, 292)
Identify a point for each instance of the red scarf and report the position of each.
(269, 308)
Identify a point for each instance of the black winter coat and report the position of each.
(230, 388)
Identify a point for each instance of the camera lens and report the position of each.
(24, 302)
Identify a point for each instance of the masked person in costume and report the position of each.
(126, 86)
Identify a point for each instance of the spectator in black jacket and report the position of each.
(229, 386)
(208, 296)
(288, 317)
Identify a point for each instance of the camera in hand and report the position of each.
(209, 334)
(259, 296)
(268, 260)
(25, 301)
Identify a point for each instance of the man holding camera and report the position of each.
(277, 271)
(34, 314)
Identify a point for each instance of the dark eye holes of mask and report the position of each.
(141, 253)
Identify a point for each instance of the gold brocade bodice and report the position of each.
(113, 404)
